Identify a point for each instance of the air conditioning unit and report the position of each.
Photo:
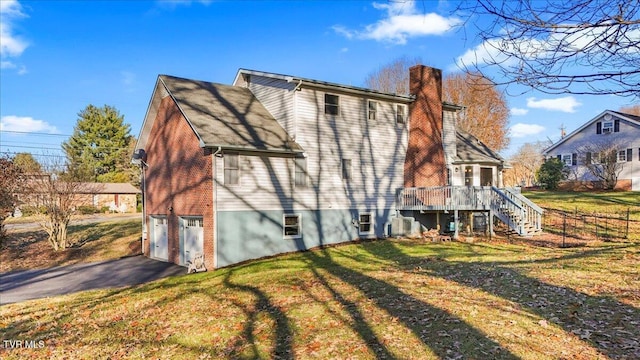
(404, 226)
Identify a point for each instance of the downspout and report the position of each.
(145, 232)
(215, 206)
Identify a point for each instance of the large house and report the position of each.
(276, 163)
(609, 130)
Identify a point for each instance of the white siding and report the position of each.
(277, 97)
(376, 148)
(628, 138)
(449, 136)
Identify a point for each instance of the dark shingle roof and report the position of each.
(228, 116)
(470, 149)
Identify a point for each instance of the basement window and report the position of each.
(365, 223)
(292, 226)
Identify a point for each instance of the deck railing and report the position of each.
(510, 207)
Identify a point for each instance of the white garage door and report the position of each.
(192, 238)
(159, 240)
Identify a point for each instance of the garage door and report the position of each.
(159, 240)
(192, 238)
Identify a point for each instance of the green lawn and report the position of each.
(381, 299)
(589, 202)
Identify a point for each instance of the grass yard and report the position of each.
(589, 202)
(382, 299)
(29, 249)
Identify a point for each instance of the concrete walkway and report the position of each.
(34, 284)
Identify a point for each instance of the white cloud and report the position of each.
(172, 4)
(344, 50)
(402, 21)
(25, 124)
(518, 111)
(566, 104)
(521, 130)
(128, 80)
(10, 44)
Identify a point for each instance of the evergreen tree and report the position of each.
(551, 172)
(99, 146)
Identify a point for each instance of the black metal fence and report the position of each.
(584, 226)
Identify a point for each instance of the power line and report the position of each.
(32, 133)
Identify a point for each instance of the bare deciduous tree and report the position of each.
(578, 47)
(486, 113)
(392, 77)
(524, 164)
(632, 110)
(10, 183)
(55, 199)
(601, 161)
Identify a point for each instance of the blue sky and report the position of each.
(57, 57)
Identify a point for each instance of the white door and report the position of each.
(193, 237)
(159, 239)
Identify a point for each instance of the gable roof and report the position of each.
(471, 150)
(633, 119)
(224, 116)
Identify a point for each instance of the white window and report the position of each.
(607, 127)
(331, 104)
(291, 226)
(566, 159)
(365, 223)
(231, 169)
(401, 114)
(372, 109)
(300, 172)
(622, 156)
(346, 169)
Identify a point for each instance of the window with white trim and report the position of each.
(607, 127)
(300, 172)
(331, 104)
(622, 156)
(365, 223)
(292, 226)
(346, 169)
(401, 114)
(566, 159)
(372, 110)
(231, 169)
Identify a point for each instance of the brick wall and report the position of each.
(179, 178)
(425, 163)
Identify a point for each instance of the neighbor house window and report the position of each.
(622, 156)
(566, 159)
(401, 114)
(331, 104)
(372, 109)
(300, 172)
(346, 169)
(607, 127)
(291, 227)
(365, 223)
(231, 169)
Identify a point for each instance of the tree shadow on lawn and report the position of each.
(444, 333)
(604, 322)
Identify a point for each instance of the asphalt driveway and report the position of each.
(34, 284)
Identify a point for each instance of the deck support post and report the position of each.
(456, 223)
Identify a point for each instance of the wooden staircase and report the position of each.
(518, 213)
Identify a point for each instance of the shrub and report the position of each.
(87, 209)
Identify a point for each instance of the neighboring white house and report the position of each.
(609, 128)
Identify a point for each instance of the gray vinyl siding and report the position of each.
(277, 97)
(449, 136)
(376, 148)
(627, 138)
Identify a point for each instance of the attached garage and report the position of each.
(191, 238)
(159, 238)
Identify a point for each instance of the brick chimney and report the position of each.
(425, 163)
